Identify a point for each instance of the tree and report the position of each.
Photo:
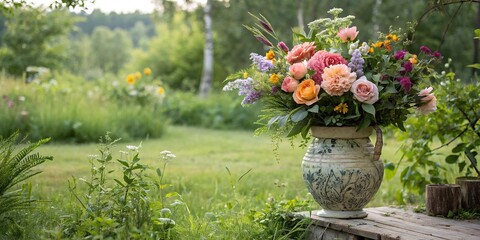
(33, 38)
(110, 49)
(207, 74)
(8, 6)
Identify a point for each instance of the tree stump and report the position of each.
(470, 188)
(441, 199)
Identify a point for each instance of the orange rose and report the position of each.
(306, 92)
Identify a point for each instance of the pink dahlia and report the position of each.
(321, 60)
(337, 79)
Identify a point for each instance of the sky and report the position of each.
(107, 6)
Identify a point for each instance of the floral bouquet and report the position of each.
(329, 78)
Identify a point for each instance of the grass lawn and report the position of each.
(200, 168)
(199, 171)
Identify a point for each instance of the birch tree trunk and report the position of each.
(300, 14)
(207, 74)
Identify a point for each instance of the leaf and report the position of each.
(172, 194)
(299, 115)
(451, 159)
(127, 179)
(476, 65)
(364, 123)
(296, 129)
(119, 183)
(123, 162)
(477, 33)
(369, 108)
(459, 148)
(314, 109)
(389, 166)
(159, 172)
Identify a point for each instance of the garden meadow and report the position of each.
(138, 153)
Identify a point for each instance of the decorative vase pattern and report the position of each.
(342, 170)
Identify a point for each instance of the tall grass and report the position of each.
(74, 110)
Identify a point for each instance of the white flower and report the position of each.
(167, 154)
(133, 148)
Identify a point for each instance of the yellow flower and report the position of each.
(138, 75)
(147, 71)
(274, 78)
(413, 59)
(270, 55)
(377, 44)
(161, 91)
(341, 108)
(245, 75)
(392, 37)
(131, 79)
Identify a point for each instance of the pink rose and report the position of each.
(321, 60)
(365, 91)
(289, 84)
(298, 70)
(337, 79)
(428, 101)
(347, 34)
(301, 52)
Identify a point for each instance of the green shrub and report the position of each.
(218, 111)
(75, 110)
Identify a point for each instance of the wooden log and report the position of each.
(470, 191)
(441, 199)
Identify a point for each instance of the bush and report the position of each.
(75, 110)
(218, 111)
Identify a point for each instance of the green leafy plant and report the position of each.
(278, 220)
(450, 136)
(124, 207)
(16, 167)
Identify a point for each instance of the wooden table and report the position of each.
(393, 223)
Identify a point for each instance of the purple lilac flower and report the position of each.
(244, 87)
(262, 63)
(406, 83)
(437, 54)
(283, 46)
(356, 63)
(425, 49)
(399, 54)
(407, 67)
(251, 97)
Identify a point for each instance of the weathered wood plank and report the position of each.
(394, 223)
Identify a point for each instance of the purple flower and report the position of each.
(356, 63)
(406, 84)
(437, 54)
(251, 97)
(263, 64)
(264, 40)
(244, 87)
(399, 54)
(283, 46)
(407, 67)
(266, 26)
(425, 49)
